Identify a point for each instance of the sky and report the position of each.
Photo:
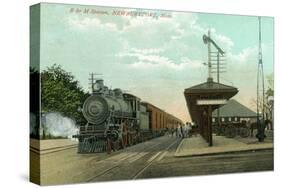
(154, 54)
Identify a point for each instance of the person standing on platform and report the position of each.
(185, 130)
(181, 129)
(178, 131)
(172, 131)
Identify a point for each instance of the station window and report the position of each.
(229, 119)
(235, 118)
(214, 120)
(222, 119)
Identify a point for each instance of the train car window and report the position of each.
(132, 105)
(222, 119)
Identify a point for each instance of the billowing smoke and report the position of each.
(57, 125)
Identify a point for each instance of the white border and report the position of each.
(14, 90)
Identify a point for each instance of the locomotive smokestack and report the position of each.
(100, 83)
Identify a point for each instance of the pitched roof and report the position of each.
(210, 87)
(235, 109)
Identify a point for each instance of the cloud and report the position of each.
(157, 51)
(147, 50)
(156, 59)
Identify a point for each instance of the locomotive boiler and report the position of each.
(97, 109)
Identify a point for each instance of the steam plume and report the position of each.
(57, 125)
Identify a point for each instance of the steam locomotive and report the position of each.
(116, 120)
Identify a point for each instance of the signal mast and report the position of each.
(215, 63)
(219, 67)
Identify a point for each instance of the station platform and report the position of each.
(197, 146)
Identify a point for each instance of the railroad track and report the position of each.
(120, 157)
(152, 159)
(147, 151)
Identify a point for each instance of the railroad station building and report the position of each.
(233, 111)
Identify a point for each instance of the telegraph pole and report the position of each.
(260, 92)
(92, 81)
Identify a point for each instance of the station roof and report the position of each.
(206, 90)
(210, 87)
(235, 109)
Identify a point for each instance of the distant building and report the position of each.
(233, 111)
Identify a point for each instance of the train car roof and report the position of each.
(128, 95)
(147, 103)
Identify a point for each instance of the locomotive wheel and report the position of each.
(230, 132)
(244, 132)
(116, 145)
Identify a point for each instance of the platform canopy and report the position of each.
(207, 90)
(203, 99)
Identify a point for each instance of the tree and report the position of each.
(60, 92)
(269, 99)
(270, 89)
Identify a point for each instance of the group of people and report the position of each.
(121, 138)
(182, 131)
